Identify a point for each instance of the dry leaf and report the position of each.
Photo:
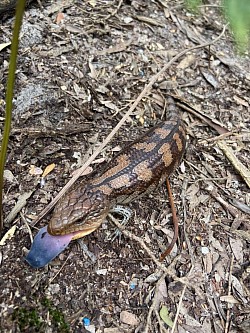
(210, 79)
(18, 206)
(4, 45)
(186, 62)
(9, 234)
(110, 105)
(208, 263)
(190, 321)
(93, 73)
(206, 325)
(112, 330)
(35, 171)
(73, 29)
(129, 318)
(229, 299)
(9, 176)
(237, 286)
(59, 18)
(116, 48)
(87, 171)
(48, 169)
(153, 277)
(149, 20)
(237, 248)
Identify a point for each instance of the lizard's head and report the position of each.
(78, 213)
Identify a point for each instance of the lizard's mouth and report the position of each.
(46, 247)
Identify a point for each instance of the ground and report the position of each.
(81, 65)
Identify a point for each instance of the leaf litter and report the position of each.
(103, 55)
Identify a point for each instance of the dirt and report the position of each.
(80, 67)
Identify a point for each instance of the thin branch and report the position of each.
(153, 305)
(229, 293)
(180, 302)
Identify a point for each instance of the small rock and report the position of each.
(90, 328)
(101, 271)
(128, 19)
(204, 250)
(129, 318)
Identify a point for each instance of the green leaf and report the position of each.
(164, 314)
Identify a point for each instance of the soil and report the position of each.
(81, 65)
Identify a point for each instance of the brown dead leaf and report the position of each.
(48, 169)
(129, 318)
(186, 62)
(110, 105)
(93, 73)
(208, 262)
(149, 20)
(210, 78)
(35, 171)
(73, 29)
(190, 321)
(9, 234)
(59, 17)
(237, 248)
(117, 48)
(112, 330)
(238, 290)
(192, 195)
(229, 299)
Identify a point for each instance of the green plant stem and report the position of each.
(9, 96)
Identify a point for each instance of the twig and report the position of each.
(239, 167)
(27, 226)
(153, 305)
(180, 302)
(211, 122)
(229, 293)
(61, 268)
(183, 198)
(121, 122)
(175, 222)
(142, 244)
(115, 11)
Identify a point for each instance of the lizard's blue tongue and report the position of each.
(46, 247)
